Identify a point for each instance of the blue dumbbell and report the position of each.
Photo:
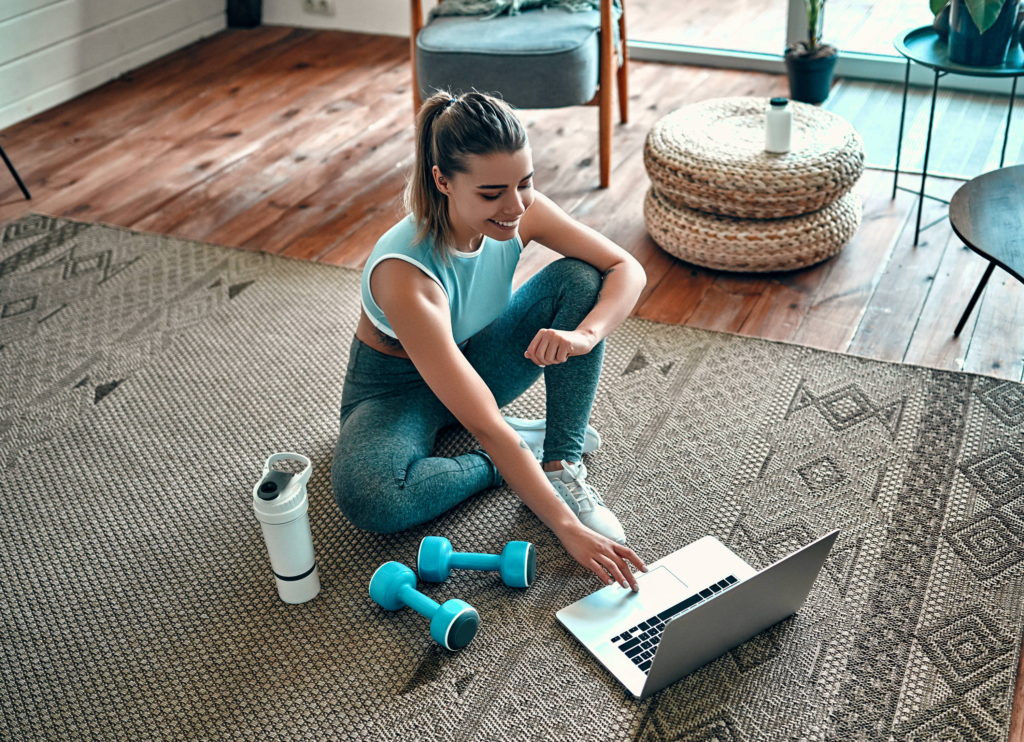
(517, 561)
(452, 625)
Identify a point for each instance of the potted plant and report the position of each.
(979, 30)
(809, 64)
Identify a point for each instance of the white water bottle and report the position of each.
(778, 127)
(279, 500)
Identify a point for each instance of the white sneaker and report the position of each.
(533, 432)
(571, 485)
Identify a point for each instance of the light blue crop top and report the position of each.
(478, 284)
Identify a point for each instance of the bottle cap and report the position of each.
(779, 101)
(280, 497)
(273, 484)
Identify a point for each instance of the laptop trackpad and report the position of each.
(614, 609)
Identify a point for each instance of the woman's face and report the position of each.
(490, 197)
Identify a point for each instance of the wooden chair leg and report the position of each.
(623, 72)
(416, 101)
(605, 95)
(623, 80)
(416, 9)
(605, 132)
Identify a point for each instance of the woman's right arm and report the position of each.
(418, 312)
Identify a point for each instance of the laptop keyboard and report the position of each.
(641, 641)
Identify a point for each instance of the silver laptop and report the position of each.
(693, 606)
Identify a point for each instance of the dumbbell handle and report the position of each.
(469, 560)
(417, 601)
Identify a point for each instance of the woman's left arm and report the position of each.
(623, 279)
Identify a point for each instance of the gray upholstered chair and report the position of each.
(540, 58)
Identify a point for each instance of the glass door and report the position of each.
(869, 26)
(752, 34)
(735, 25)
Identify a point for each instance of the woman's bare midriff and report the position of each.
(376, 339)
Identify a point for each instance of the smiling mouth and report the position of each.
(505, 225)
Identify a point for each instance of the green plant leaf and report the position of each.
(984, 12)
(937, 5)
(815, 21)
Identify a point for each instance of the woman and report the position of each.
(441, 339)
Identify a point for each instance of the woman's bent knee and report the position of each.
(578, 275)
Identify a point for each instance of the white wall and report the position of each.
(389, 17)
(54, 50)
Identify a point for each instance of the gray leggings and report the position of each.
(383, 475)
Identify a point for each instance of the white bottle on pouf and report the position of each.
(280, 503)
(778, 127)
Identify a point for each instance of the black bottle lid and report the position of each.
(779, 101)
(273, 484)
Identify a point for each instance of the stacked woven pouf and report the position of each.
(718, 200)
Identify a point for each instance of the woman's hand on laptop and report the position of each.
(602, 556)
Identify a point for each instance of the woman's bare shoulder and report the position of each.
(401, 288)
(395, 276)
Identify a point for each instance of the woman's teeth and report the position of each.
(506, 225)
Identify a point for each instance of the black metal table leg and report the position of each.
(1009, 115)
(17, 178)
(927, 151)
(899, 138)
(974, 299)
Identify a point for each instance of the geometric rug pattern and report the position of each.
(146, 379)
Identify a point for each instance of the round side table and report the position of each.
(923, 46)
(987, 213)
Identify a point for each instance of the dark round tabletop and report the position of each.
(923, 45)
(987, 213)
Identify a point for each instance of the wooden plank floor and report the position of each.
(297, 142)
(979, 120)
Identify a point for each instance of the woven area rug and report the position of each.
(146, 379)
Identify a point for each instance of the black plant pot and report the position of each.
(810, 77)
(967, 45)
